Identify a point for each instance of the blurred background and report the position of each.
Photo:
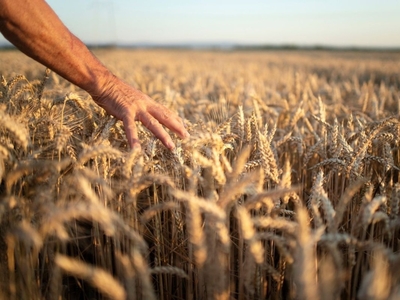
(223, 23)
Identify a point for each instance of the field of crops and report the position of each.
(288, 187)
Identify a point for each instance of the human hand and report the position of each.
(39, 33)
(129, 105)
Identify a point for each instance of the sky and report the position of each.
(305, 23)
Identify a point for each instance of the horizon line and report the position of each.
(227, 46)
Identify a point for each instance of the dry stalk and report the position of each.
(97, 277)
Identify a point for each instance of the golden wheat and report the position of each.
(288, 187)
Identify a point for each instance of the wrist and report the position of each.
(101, 84)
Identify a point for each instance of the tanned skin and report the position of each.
(34, 28)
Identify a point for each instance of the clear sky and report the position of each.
(308, 22)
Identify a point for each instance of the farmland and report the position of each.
(288, 187)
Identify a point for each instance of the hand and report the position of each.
(129, 105)
(37, 31)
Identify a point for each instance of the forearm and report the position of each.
(33, 27)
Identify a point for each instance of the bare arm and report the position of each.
(34, 28)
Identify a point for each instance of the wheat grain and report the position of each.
(19, 132)
(100, 279)
(170, 270)
(376, 283)
(304, 273)
(92, 152)
(248, 232)
(371, 208)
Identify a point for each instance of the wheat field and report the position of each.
(288, 187)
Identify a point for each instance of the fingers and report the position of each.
(157, 129)
(130, 105)
(170, 120)
(131, 132)
(153, 118)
